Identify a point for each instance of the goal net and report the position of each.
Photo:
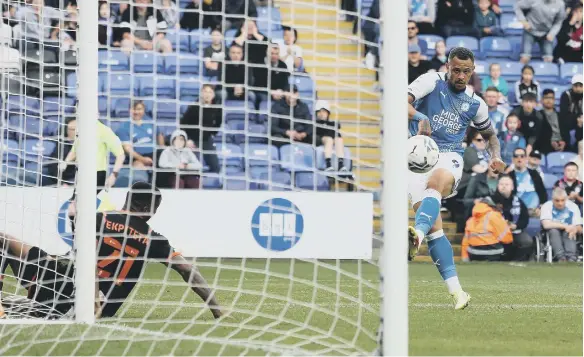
(260, 123)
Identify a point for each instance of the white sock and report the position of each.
(420, 236)
(453, 284)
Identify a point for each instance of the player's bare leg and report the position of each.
(429, 225)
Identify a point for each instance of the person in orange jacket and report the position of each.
(486, 233)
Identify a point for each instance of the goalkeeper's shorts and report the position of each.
(50, 282)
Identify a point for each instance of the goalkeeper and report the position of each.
(124, 242)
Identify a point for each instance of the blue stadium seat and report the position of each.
(199, 39)
(157, 86)
(230, 36)
(235, 129)
(120, 85)
(56, 105)
(260, 156)
(482, 69)
(468, 42)
(257, 133)
(236, 182)
(545, 71)
(568, 70)
(557, 160)
(104, 106)
(510, 25)
(321, 163)
(533, 226)
(312, 181)
(71, 85)
(264, 111)
(165, 128)
(181, 63)
(17, 104)
(120, 107)
(557, 88)
(188, 87)
(297, 157)
(496, 47)
(305, 85)
(548, 181)
(211, 182)
(507, 5)
(147, 62)
(431, 40)
(37, 153)
(179, 39)
(11, 152)
(113, 60)
(230, 156)
(237, 109)
(511, 71)
(275, 181)
(166, 110)
(269, 18)
(26, 125)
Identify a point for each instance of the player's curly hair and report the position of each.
(461, 53)
(143, 198)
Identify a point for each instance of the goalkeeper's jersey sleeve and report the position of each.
(124, 242)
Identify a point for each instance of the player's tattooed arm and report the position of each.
(489, 135)
(197, 283)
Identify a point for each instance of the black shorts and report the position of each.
(101, 177)
(50, 282)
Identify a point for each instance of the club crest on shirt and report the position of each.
(465, 107)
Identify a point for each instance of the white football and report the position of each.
(423, 154)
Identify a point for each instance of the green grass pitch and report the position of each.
(516, 310)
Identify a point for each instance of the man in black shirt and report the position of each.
(416, 65)
(214, 54)
(124, 241)
(254, 43)
(237, 76)
(291, 121)
(530, 119)
(278, 74)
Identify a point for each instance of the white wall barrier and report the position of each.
(230, 224)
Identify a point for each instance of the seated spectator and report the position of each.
(201, 123)
(579, 160)
(291, 120)
(64, 146)
(530, 120)
(413, 38)
(527, 84)
(577, 132)
(456, 18)
(571, 184)
(169, 12)
(571, 106)
(138, 138)
(486, 233)
(416, 65)
(542, 20)
(214, 54)
(254, 43)
(328, 133)
(485, 20)
(511, 138)
(279, 77)
(36, 21)
(440, 57)
(135, 32)
(290, 52)
(494, 80)
(370, 30)
(178, 156)
(569, 46)
(237, 76)
(551, 137)
(423, 12)
(237, 8)
(563, 221)
(197, 15)
(517, 217)
(105, 21)
(534, 162)
(528, 183)
(496, 114)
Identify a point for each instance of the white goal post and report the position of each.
(293, 220)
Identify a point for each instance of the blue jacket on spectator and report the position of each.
(510, 142)
(482, 22)
(141, 137)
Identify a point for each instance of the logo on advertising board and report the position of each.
(277, 224)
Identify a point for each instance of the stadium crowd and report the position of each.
(227, 88)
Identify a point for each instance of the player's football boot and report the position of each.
(415, 241)
(461, 299)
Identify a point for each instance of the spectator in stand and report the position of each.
(485, 20)
(138, 138)
(577, 132)
(530, 119)
(569, 47)
(511, 138)
(456, 18)
(169, 12)
(423, 12)
(563, 221)
(528, 183)
(279, 77)
(64, 146)
(527, 84)
(534, 162)
(254, 43)
(571, 184)
(36, 21)
(579, 160)
(542, 20)
(496, 114)
(413, 38)
(290, 52)
(571, 106)
(440, 57)
(328, 133)
(416, 65)
(237, 76)
(201, 123)
(196, 15)
(486, 234)
(517, 216)
(238, 8)
(291, 120)
(370, 30)
(494, 80)
(214, 54)
(136, 33)
(105, 21)
(551, 137)
(181, 158)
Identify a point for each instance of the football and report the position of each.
(423, 154)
